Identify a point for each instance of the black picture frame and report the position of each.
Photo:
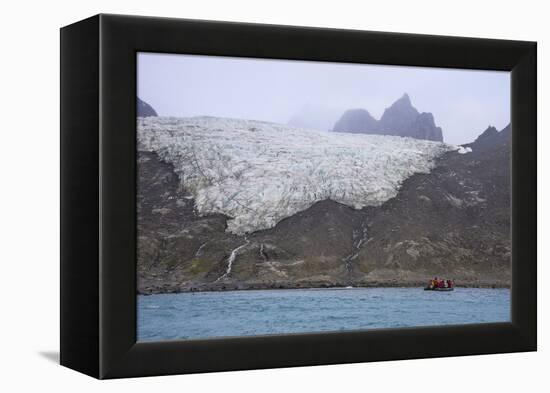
(98, 206)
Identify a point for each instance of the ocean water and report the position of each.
(198, 315)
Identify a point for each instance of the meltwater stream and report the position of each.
(198, 315)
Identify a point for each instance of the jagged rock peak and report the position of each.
(144, 109)
(490, 131)
(400, 119)
(399, 115)
(405, 100)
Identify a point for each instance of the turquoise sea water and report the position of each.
(246, 313)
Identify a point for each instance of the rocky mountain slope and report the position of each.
(400, 119)
(452, 221)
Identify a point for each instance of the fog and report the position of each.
(463, 102)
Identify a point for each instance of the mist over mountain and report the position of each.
(314, 117)
(358, 121)
(400, 119)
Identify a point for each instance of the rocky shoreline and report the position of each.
(252, 287)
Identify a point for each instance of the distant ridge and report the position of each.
(400, 119)
(144, 109)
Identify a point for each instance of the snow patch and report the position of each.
(464, 150)
(258, 173)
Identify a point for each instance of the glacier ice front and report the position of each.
(258, 173)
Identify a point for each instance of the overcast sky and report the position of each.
(463, 102)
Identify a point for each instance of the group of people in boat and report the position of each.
(440, 283)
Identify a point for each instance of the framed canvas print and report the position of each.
(239, 196)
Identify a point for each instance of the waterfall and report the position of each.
(231, 259)
(263, 255)
(199, 250)
(359, 237)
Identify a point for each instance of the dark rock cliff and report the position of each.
(400, 119)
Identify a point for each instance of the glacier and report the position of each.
(258, 173)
